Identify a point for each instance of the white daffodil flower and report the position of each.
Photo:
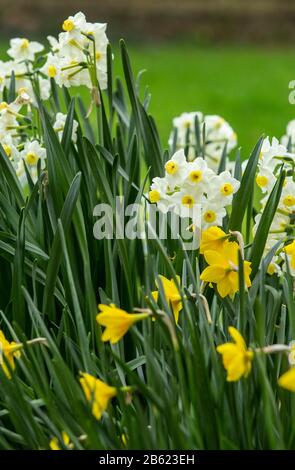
(265, 179)
(32, 153)
(287, 201)
(23, 49)
(160, 194)
(212, 214)
(198, 174)
(222, 188)
(175, 169)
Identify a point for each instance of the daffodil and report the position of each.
(290, 250)
(212, 239)
(172, 295)
(237, 359)
(97, 392)
(223, 269)
(23, 49)
(116, 321)
(287, 380)
(54, 443)
(9, 352)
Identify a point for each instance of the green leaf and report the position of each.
(242, 196)
(265, 223)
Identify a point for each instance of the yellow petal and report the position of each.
(287, 380)
(176, 308)
(224, 287)
(237, 337)
(213, 274)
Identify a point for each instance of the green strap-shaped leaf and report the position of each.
(54, 255)
(241, 198)
(265, 223)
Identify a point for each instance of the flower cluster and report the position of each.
(189, 187)
(206, 134)
(77, 57)
(273, 157)
(79, 49)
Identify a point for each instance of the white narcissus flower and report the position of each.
(287, 201)
(198, 174)
(59, 125)
(52, 66)
(32, 153)
(10, 149)
(272, 154)
(23, 49)
(175, 169)
(222, 188)
(74, 24)
(212, 214)
(186, 203)
(8, 117)
(159, 193)
(265, 179)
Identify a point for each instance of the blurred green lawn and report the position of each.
(248, 86)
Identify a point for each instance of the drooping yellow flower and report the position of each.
(223, 269)
(287, 380)
(236, 358)
(116, 321)
(97, 393)
(9, 351)
(54, 443)
(290, 250)
(172, 295)
(212, 239)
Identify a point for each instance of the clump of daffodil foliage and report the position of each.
(92, 328)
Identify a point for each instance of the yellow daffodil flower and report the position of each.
(54, 444)
(116, 321)
(212, 239)
(97, 393)
(223, 269)
(237, 359)
(287, 380)
(172, 295)
(290, 250)
(9, 351)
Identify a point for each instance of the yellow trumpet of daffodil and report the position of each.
(172, 295)
(97, 393)
(9, 351)
(116, 321)
(212, 239)
(223, 269)
(54, 444)
(236, 358)
(290, 250)
(287, 380)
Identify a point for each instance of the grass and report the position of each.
(248, 86)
